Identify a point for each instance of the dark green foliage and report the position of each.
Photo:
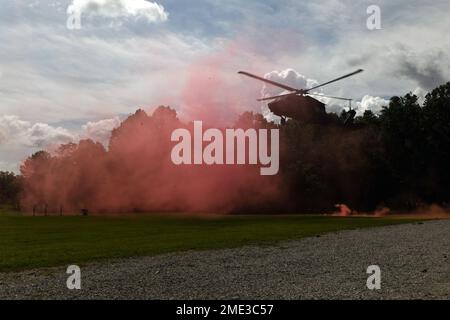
(399, 159)
(9, 189)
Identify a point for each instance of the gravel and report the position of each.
(414, 261)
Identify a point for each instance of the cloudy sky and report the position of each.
(59, 83)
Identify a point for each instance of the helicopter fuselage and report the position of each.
(304, 109)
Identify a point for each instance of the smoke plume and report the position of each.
(136, 174)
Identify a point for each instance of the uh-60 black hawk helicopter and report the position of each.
(299, 104)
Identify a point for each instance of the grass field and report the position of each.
(29, 242)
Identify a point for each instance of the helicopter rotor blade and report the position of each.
(276, 84)
(331, 97)
(276, 97)
(337, 79)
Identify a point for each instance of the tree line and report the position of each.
(398, 158)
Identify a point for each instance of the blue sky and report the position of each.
(60, 85)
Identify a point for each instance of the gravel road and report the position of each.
(414, 261)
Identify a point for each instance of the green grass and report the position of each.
(29, 242)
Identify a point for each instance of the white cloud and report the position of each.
(289, 77)
(20, 138)
(42, 135)
(411, 50)
(100, 131)
(118, 73)
(13, 130)
(11, 126)
(375, 104)
(420, 93)
(151, 11)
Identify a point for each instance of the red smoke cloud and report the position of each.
(137, 174)
(214, 92)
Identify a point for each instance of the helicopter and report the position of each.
(300, 105)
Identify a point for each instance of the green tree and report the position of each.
(10, 188)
